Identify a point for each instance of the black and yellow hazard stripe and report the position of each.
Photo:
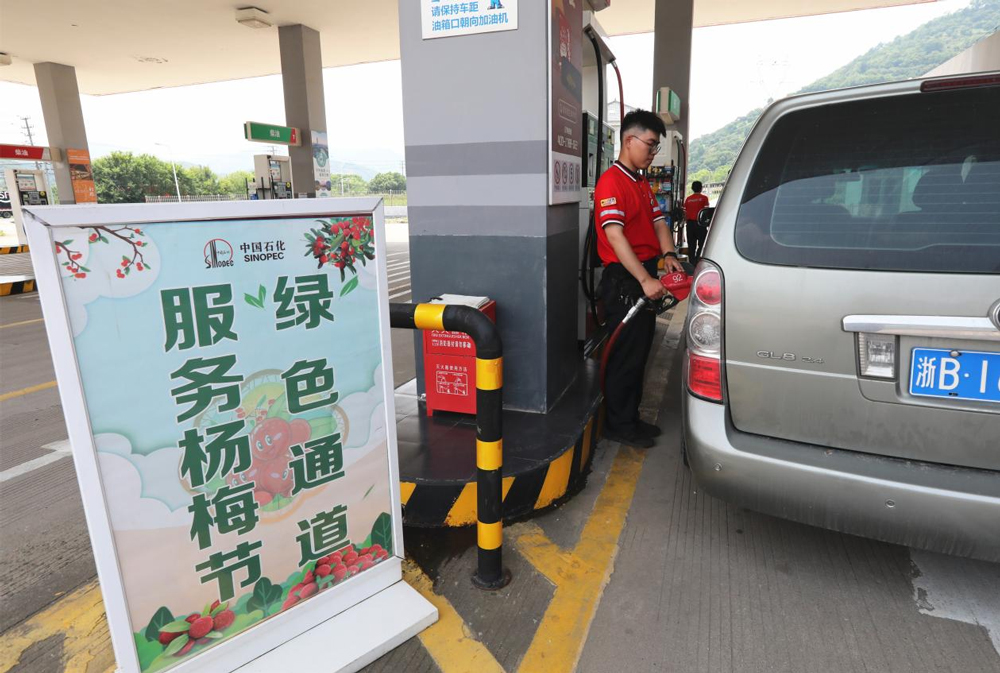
(13, 249)
(447, 503)
(17, 287)
(490, 573)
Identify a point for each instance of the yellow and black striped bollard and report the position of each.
(490, 573)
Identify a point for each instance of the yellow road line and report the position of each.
(78, 619)
(449, 641)
(27, 391)
(23, 322)
(581, 575)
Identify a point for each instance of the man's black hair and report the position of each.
(642, 121)
(696, 186)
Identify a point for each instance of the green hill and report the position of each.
(908, 56)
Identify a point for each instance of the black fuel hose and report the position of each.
(587, 269)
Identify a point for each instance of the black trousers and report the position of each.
(627, 362)
(696, 234)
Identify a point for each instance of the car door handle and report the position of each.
(956, 327)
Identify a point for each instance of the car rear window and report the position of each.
(901, 183)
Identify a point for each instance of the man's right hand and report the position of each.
(653, 289)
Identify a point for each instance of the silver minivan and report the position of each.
(843, 332)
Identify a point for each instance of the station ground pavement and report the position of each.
(641, 572)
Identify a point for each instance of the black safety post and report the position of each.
(490, 573)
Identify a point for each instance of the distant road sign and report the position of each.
(269, 133)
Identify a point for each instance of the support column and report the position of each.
(475, 114)
(673, 28)
(305, 109)
(64, 127)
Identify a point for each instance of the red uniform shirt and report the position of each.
(693, 205)
(624, 198)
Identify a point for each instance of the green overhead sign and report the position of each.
(269, 133)
(674, 105)
(668, 105)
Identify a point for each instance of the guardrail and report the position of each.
(490, 573)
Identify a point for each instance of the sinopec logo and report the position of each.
(218, 253)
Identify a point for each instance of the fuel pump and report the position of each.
(668, 174)
(272, 176)
(24, 188)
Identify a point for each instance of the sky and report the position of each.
(734, 69)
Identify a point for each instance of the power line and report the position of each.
(28, 128)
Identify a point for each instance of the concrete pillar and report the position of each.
(63, 115)
(673, 26)
(475, 114)
(305, 109)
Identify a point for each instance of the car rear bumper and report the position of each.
(937, 507)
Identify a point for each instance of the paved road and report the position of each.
(44, 547)
(698, 585)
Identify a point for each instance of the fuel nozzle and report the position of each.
(678, 284)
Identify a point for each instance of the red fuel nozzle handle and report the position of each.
(678, 284)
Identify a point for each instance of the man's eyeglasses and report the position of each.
(652, 145)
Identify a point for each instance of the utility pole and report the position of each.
(28, 128)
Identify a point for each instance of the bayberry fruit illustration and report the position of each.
(201, 627)
(224, 620)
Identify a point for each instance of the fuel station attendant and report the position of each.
(632, 235)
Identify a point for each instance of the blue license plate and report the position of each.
(959, 375)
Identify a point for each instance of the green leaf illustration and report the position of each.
(221, 607)
(176, 645)
(382, 531)
(265, 595)
(179, 626)
(243, 621)
(349, 286)
(148, 650)
(214, 635)
(257, 301)
(159, 620)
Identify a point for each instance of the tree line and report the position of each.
(908, 56)
(124, 177)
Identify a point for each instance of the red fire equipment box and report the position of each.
(450, 367)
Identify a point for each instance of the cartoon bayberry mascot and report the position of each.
(269, 447)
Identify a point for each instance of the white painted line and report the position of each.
(401, 274)
(397, 265)
(399, 294)
(60, 449)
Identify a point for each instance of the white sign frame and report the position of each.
(41, 223)
(427, 19)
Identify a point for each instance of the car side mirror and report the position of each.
(705, 216)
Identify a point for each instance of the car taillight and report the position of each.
(709, 288)
(705, 377)
(704, 333)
